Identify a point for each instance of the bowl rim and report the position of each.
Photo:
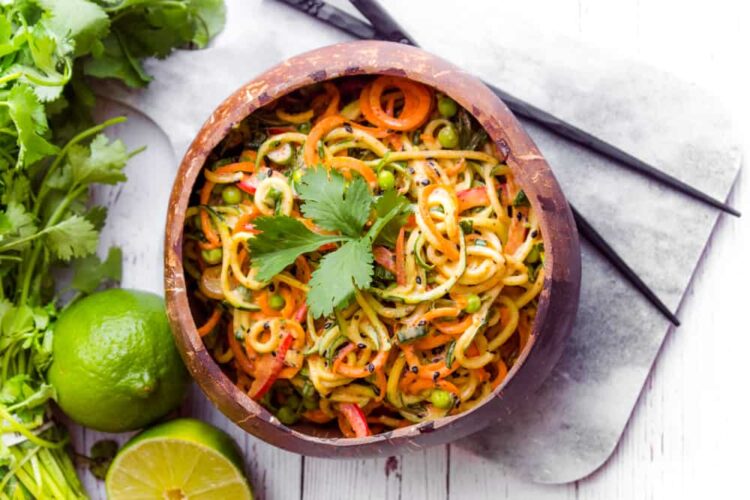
(504, 131)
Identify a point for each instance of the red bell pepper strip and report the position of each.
(385, 258)
(248, 183)
(356, 419)
(301, 313)
(280, 130)
(263, 383)
(474, 197)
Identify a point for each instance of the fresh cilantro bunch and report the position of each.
(50, 155)
(49, 47)
(355, 220)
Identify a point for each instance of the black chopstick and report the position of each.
(386, 28)
(354, 26)
(593, 237)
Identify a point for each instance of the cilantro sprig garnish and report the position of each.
(344, 210)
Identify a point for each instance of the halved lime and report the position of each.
(181, 459)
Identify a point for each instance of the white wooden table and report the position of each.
(688, 435)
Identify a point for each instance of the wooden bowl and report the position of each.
(558, 301)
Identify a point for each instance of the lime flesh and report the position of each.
(183, 459)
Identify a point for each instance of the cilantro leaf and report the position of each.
(97, 215)
(90, 272)
(17, 221)
(339, 275)
(281, 240)
(73, 237)
(143, 29)
(101, 162)
(83, 21)
(385, 203)
(30, 120)
(331, 205)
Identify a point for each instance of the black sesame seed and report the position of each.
(425, 182)
(435, 375)
(414, 369)
(534, 233)
(361, 345)
(422, 323)
(269, 172)
(410, 170)
(370, 368)
(328, 325)
(502, 179)
(273, 353)
(376, 390)
(519, 215)
(510, 211)
(348, 128)
(266, 325)
(419, 280)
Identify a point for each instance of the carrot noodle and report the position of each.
(456, 288)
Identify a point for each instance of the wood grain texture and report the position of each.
(688, 435)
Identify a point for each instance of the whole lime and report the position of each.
(183, 458)
(115, 366)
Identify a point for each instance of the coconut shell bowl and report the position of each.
(557, 303)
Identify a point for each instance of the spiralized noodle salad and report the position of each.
(361, 258)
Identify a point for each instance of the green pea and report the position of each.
(276, 302)
(309, 403)
(212, 256)
(473, 303)
(441, 399)
(447, 137)
(293, 401)
(287, 415)
(386, 180)
(447, 106)
(231, 195)
(304, 127)
(197, 222)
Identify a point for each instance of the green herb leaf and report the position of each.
(15, 220)
(90, 272)
(281, 240)
(83, 21)
(30, 120)
(339, 275)
(521, 200)
(143, 29)
(73, 237)
(332, 206)
(102, 454)
(385, 203)
(102, 162)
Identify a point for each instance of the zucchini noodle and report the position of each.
(453, 298)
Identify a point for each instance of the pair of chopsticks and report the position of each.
(384, 27)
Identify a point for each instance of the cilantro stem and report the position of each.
(54, 219)
(20, 241)
(382, 221)
(44, 189)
